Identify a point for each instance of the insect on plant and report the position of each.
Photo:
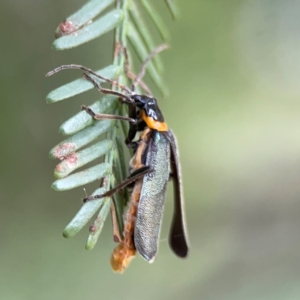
(154, 162)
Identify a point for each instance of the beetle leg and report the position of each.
(97, 116)
(133, 177)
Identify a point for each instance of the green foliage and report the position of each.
(127, 21)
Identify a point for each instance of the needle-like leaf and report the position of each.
(98, 224)
(80, 139)
(82, 178)
(78, 159)
(157, 20)
(141, 25)
(89, 32)
(83, 16)
(172, 8)
(85, 213)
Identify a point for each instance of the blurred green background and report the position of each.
(233, 74)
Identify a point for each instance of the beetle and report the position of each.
(154, 162)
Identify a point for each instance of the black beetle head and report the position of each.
(149, 105)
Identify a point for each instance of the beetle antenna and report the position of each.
(132, 76)
(97, 85)
(140, 76)
(90, 71)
